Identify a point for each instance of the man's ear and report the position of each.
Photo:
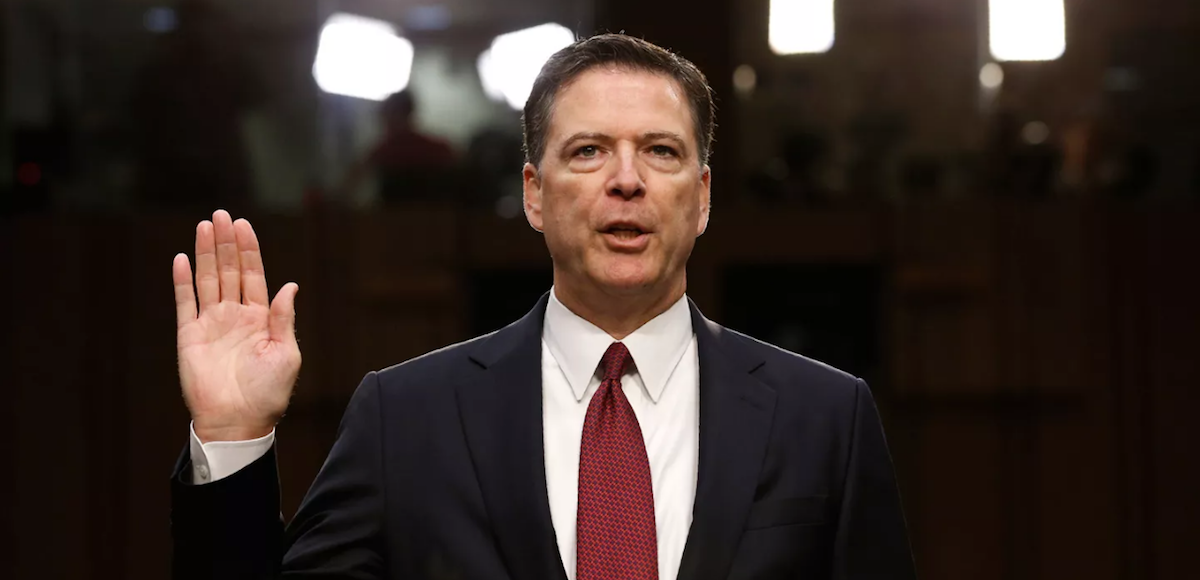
(705, 199)
(532, 183)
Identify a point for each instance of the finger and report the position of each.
(207, 285)
(283, 314)
(185, 297)
(254, 278)
(227, 257)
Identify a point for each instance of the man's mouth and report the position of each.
(624, 232)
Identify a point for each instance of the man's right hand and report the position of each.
(238, 356)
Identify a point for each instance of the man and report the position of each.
(613, 432)
(409, 164)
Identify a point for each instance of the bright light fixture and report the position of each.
(362, 57)
(1027, 29)
(800, 26)
(509, 66)
(488, 76)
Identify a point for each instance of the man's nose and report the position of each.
(626, 180)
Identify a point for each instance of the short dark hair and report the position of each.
(622, 51)
(399, 103)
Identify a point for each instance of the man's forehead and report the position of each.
(609, 100)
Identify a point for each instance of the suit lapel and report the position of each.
(735, 425)
(502, 419)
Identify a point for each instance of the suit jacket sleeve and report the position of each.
(872, 537)
(233, 528)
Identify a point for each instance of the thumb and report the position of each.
(282, 324)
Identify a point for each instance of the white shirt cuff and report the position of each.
(216, 460)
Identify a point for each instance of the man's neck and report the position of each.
(619, 315)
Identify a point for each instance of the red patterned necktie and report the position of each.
(615, 522)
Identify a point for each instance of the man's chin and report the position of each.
(619, 275)
(628, 287)
(628, 283)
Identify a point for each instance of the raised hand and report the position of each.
(238, 356)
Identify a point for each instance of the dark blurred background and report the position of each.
(988, 210)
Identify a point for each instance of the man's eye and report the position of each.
(663, 151)
(587, 151)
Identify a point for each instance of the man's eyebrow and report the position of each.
(586, 136)
(653, 135)
(676, 138)
(669, 136)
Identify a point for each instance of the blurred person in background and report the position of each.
(408, 164)
(613, 432)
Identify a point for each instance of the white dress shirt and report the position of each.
(663, 387)
(664, 392)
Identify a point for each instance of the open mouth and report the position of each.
(626, 237)
(624, 232)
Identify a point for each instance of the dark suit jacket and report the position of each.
(438, 472)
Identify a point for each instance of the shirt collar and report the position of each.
(578, 345)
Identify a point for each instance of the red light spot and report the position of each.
(29, 174)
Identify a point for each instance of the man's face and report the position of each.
(621, 195)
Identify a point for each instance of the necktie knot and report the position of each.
(616, 361)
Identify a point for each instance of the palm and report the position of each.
(238, 356)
